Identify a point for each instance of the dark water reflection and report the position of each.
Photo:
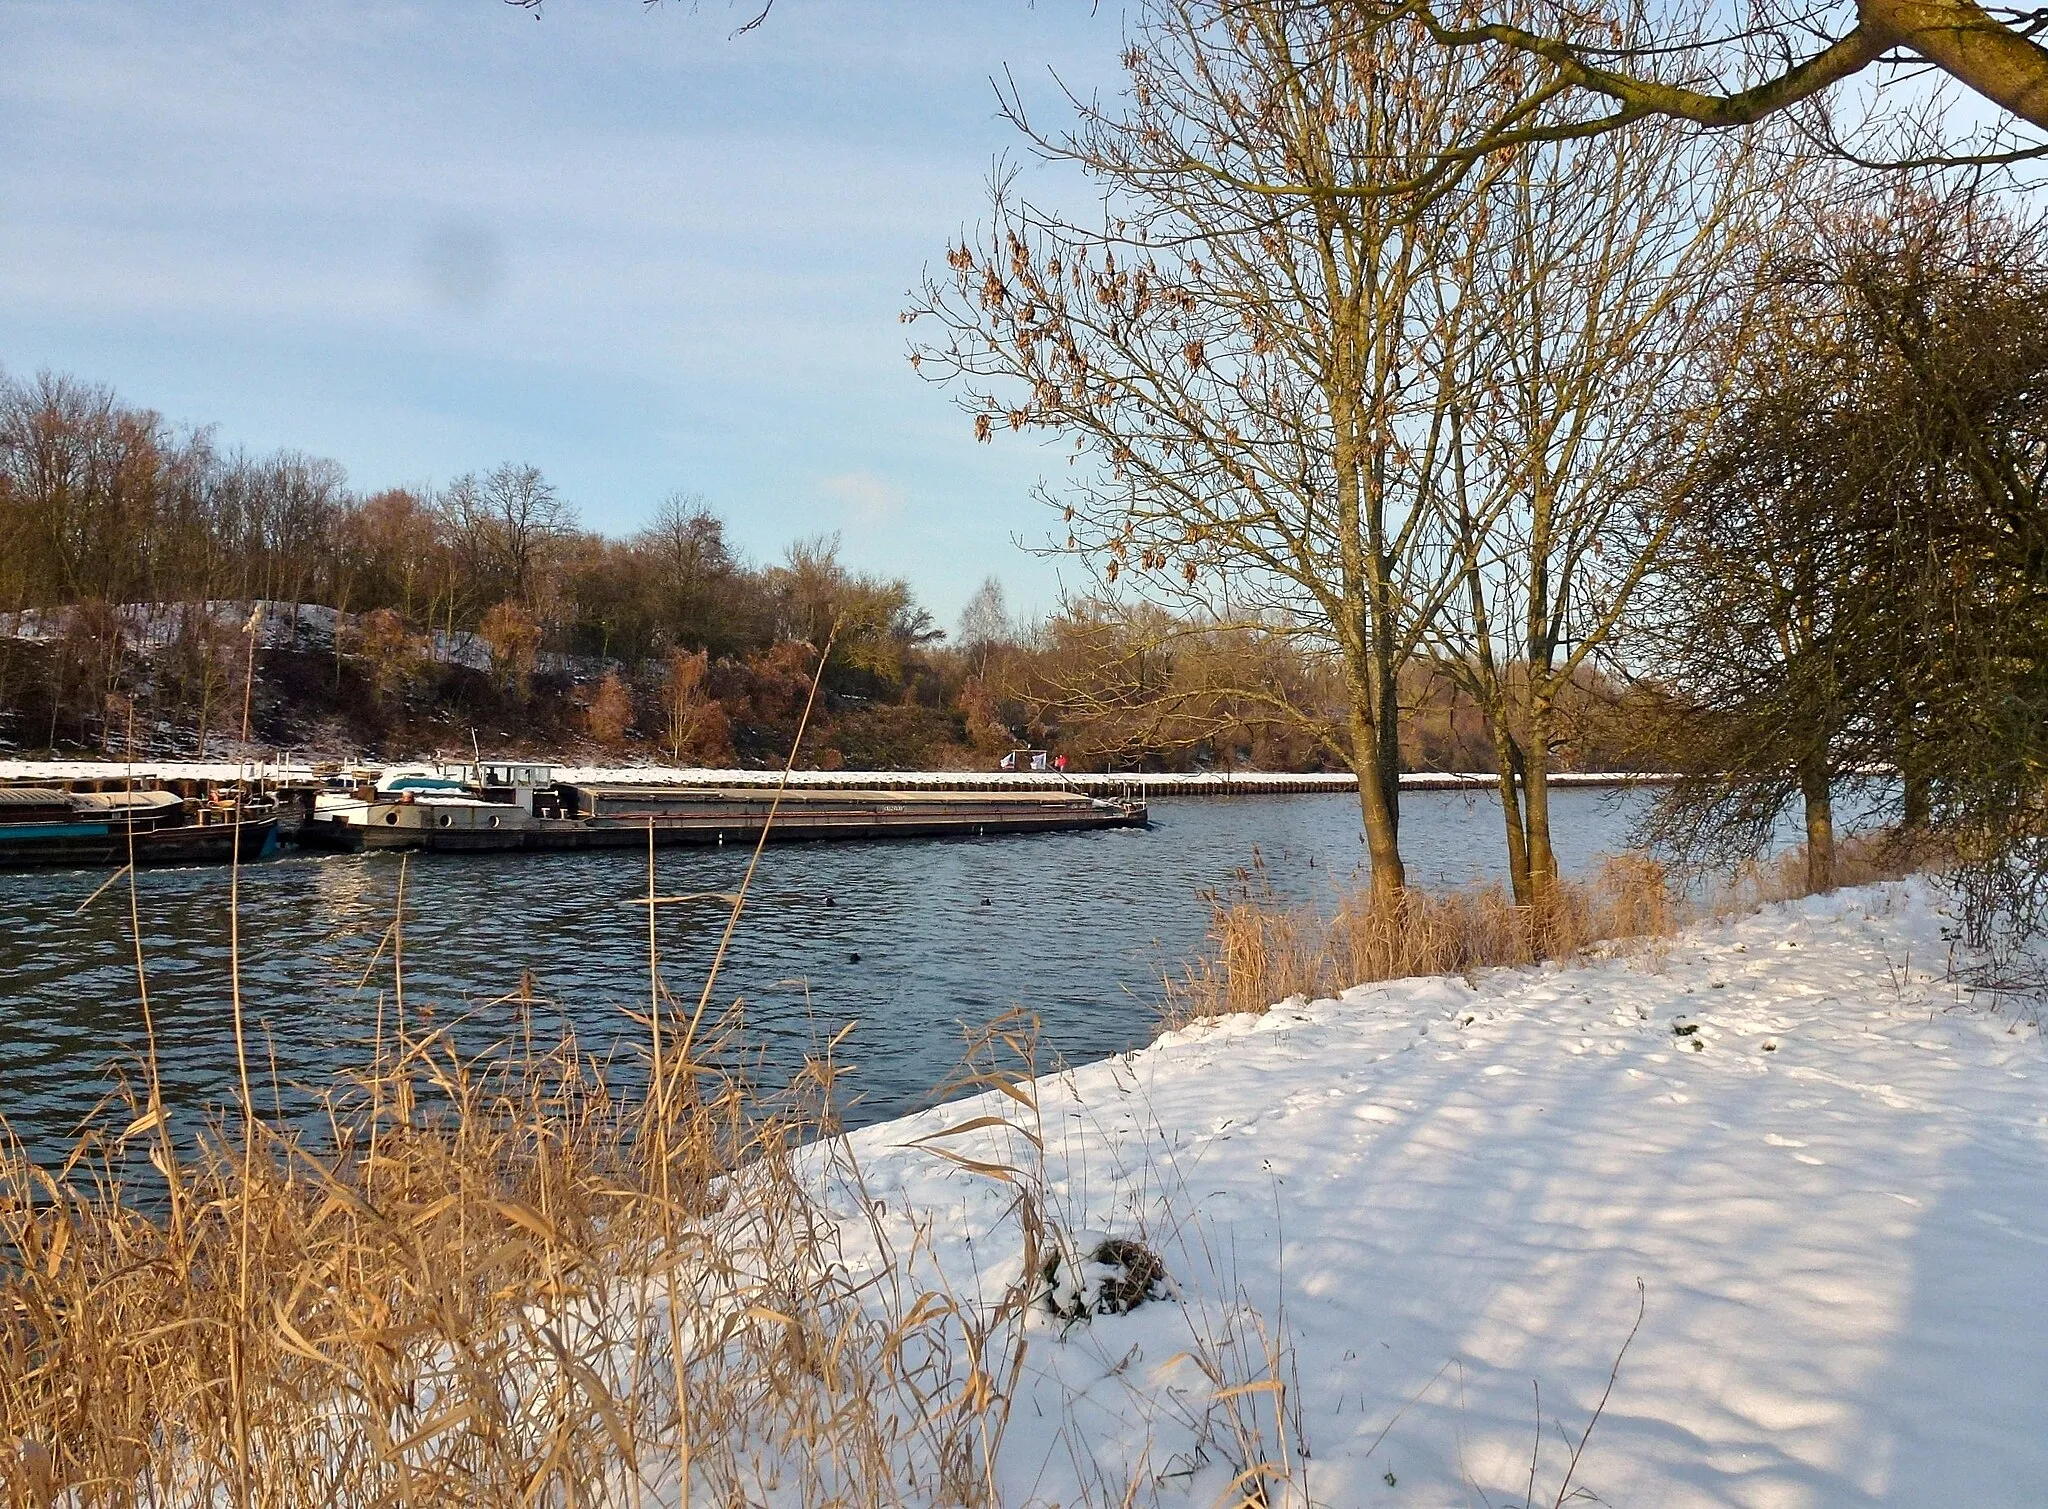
(913, 940)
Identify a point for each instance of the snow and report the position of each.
(1222, 782)
(1426, 1208)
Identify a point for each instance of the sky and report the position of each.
(616, 241)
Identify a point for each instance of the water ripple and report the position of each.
(913, 940)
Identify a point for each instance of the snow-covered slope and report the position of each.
(1441, 1197)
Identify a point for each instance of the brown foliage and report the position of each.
(987, 730)
(514, 639)
(389, 652)
(694, 725)
(611, 710)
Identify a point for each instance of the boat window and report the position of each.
(391, 817)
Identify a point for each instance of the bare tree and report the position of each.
(1237, 361)
(504, 526)
(1862, 593)
(82, 473)
(1602, 286)
(985, 624)
(693, 571)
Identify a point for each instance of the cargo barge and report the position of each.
(501, 807)
(43, 825)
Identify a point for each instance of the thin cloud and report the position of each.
(869, 500)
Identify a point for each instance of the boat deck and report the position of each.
(602, 817)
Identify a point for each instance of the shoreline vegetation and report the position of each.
(1264, 951)
(111, 681)
(473, 1285)
(1416, 415)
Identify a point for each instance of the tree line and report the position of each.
(136, 552)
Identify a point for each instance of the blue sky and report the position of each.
(615, 242)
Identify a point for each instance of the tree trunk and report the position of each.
(1817, 793)
(1382, 841)
(56, 693)
(1918, 802)
(1387, 727)
(1536, 796)
(1508, 765)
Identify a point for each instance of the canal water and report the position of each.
(913, 941)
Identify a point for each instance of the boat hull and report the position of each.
(95, 845)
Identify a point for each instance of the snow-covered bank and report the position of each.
(1825, 1168)
(1195, 782)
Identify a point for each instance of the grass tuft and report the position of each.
(1263, 951)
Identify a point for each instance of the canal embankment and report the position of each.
(88, 775)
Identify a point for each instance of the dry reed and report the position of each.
(1263, 951)
(524, 1275)
(1858, 860)
(463, 1295)
(491, 1278)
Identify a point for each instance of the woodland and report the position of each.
(401, 621)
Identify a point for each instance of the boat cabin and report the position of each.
(514, 781)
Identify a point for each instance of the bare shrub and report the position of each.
(611, 710)
(695, 726)
(390, 652)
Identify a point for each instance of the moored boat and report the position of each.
(498, 806)
(42, 825)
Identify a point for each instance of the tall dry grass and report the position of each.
(497, 1278)
(1263, 950)
(1859, 859)
(494, 1279)
(490, 1278)
(530, 1274)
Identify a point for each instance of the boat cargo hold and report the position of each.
(501, 806)
(43, 825)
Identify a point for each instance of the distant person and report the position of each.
(1060, 764)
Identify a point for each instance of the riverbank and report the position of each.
(1746, 1215)
(1417, 1216)
(1210, 783)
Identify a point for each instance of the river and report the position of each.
(913, 941)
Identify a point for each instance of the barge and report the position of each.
(43, 825)
(503, 806)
